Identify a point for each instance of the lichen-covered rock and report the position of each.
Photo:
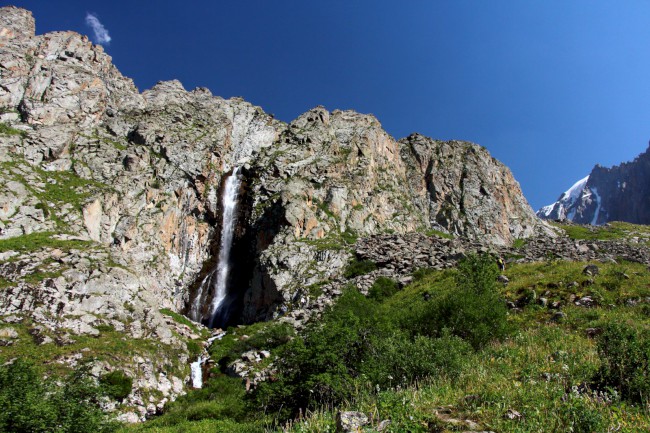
(350, 421)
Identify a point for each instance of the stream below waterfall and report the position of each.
(196, 368)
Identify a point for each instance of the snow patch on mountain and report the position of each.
(567, 199)
(594, 221)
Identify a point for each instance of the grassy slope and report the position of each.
(530, 372)
(609, 231)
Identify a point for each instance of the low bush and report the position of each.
(116, 384)
(474, 311)
(321, 367)
(401, 360)
(422, 273)
(221, 398)
(30, 404)
(580, 415)
(359, 267)
(624, 350)
(194, 348)
(383, 288)
(356, 343)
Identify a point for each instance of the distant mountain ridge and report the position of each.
(619, 193)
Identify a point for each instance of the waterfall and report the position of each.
(217, 279)
(196, 367)
(196, 370)
(195, 309)
(228, 222)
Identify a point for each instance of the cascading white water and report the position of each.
(228, 221)
(195, 309)
(196, 370)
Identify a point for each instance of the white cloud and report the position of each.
(101, 33)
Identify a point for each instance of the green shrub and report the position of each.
(475, 311)
(359, 267)
(354, 343)
(401, 360)
(361, 340)
(105, 327)
(116, 384)
(422, 273)
(321, 367)
(221, 398)
(274, 335)
(624, 350)
(383, 288)
(30, 404)
(581, 416)
(349, 236)
(194, 348)
(477, 274)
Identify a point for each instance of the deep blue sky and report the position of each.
(550, 87)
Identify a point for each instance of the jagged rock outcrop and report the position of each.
(110, 201)
(619, 193)
(465, 192)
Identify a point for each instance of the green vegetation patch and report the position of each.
(110, 345)
(29, 403)
(38, 240)
(551, 374)
(438, 233)
(363, 341)
(179, 318)
(6, 129)
(266, 336)
(335, 241)
(383, 288)
(117, 384)
(519, 243)
(609, 231)
(359, 267)
(329, 243)
(219, 406)
(54, 189)
(67, 187)
(625, 351)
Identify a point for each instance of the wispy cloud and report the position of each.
(101, 33)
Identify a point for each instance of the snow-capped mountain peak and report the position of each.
(564, 206)
(619, 193)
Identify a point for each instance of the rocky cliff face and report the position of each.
(110, 202)
(619, 193)
(463, 191)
